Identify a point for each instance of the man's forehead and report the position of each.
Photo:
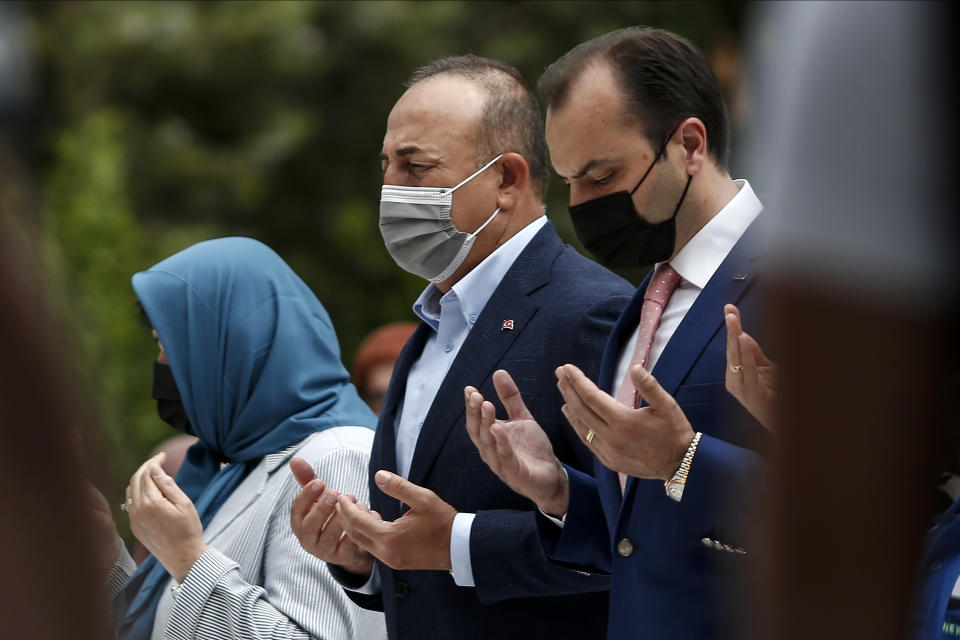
(432, 115)
(439, 99)
(578, 144)
(596, 91)
(589, 130)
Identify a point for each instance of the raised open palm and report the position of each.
(517, 450)
(751, 376)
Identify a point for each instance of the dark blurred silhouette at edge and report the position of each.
(858, 141)
(51, 585)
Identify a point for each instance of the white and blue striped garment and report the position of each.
(255, 580)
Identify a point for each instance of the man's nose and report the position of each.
(577, 195)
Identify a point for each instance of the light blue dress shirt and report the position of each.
(451, 316)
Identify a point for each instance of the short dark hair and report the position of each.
(665, 78)
(510, 115)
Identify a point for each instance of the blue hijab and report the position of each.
(257, 364)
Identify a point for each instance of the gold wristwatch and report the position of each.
(674, 486)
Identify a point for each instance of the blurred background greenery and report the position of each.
(144, 127)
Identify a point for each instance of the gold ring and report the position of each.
(736, 368)
(591, 434)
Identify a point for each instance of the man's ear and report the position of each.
(692, 134)
(514, 182)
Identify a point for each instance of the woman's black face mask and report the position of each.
(169, 404)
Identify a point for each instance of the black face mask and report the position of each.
(169, 404)
(612, 230)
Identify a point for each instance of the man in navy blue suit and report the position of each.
(637, 128)
(445, 548)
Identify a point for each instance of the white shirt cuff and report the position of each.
(562, 519)
(460, 549)
(371, 586)
(557, 521)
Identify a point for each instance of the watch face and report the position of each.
(675, 490)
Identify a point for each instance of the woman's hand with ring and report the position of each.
(164, 519)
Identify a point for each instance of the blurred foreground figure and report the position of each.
(857, 142)
(47, 548)
(373, 364)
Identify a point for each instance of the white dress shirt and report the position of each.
(696, 263)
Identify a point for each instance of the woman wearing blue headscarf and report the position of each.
(249, 363)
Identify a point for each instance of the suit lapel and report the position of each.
(486, 345)
(251, 489)
(608, 483)
(731, 280)
(248, 492)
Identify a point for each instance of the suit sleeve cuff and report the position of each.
(557, 521)
(720, 469)
(192, 594)
(121, 571)
(460, 549)
(562, 519)
(349, 581)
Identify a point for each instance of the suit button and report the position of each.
(401, 589)
(625, 547)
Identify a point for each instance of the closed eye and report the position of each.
(604, 180)
(419, 168)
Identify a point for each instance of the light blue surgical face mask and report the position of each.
(418, 232)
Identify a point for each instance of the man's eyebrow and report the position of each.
(592, 164)
(406, 150)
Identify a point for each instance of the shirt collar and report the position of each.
(697, 261)
(475, 288)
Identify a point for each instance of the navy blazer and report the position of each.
(672, 576)
(563, 307)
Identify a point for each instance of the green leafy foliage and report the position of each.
(163, 124)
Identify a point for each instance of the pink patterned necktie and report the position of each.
(665, 279)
